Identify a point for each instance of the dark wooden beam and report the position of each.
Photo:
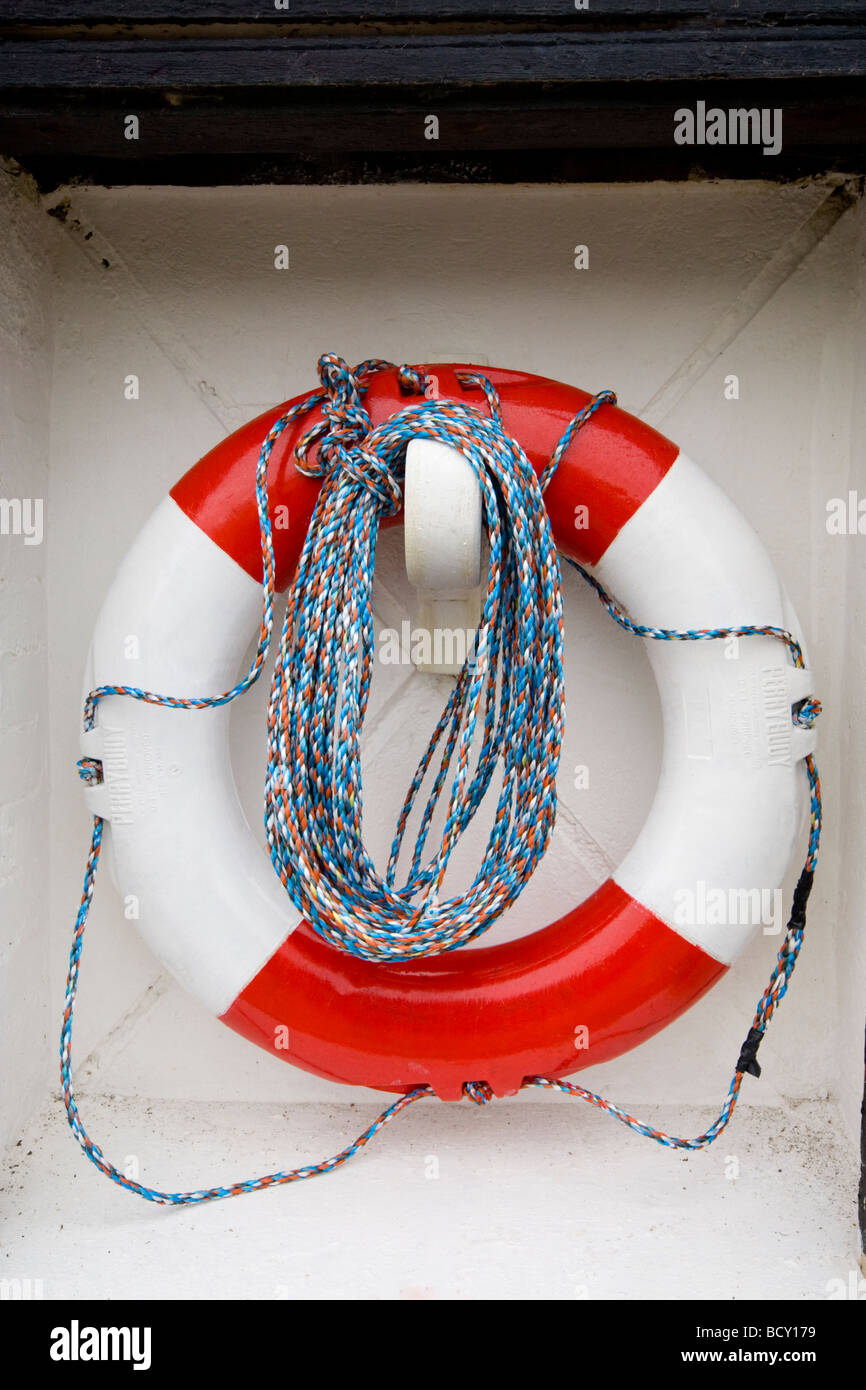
(603, 132)
(698, 54)
(611, 119)
(522, 89)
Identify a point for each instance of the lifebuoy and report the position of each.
(661, 537)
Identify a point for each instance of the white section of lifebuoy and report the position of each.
(211, 907)
(726, 813)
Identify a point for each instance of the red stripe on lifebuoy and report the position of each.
(595, 983)
(612, 466)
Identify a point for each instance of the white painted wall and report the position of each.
(191, 303)
(25, 384)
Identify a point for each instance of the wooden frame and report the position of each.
(522, 89)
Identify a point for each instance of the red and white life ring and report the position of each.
(673, 549)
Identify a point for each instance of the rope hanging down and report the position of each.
(321, 683)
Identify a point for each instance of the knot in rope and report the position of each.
(342, 433)
(510, 688)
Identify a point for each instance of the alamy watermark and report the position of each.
(702, 906)
(21, 1290)
(737, 126)
(441, 646)
(846, 516)
(22, 516)
(77, 1343)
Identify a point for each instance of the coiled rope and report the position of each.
(513, 683)
(319, 693)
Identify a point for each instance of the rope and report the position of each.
(322, 673)
(512, 684)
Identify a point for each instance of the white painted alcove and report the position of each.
(178, 287)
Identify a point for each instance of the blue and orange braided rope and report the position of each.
(313, 766)
(512, 687)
